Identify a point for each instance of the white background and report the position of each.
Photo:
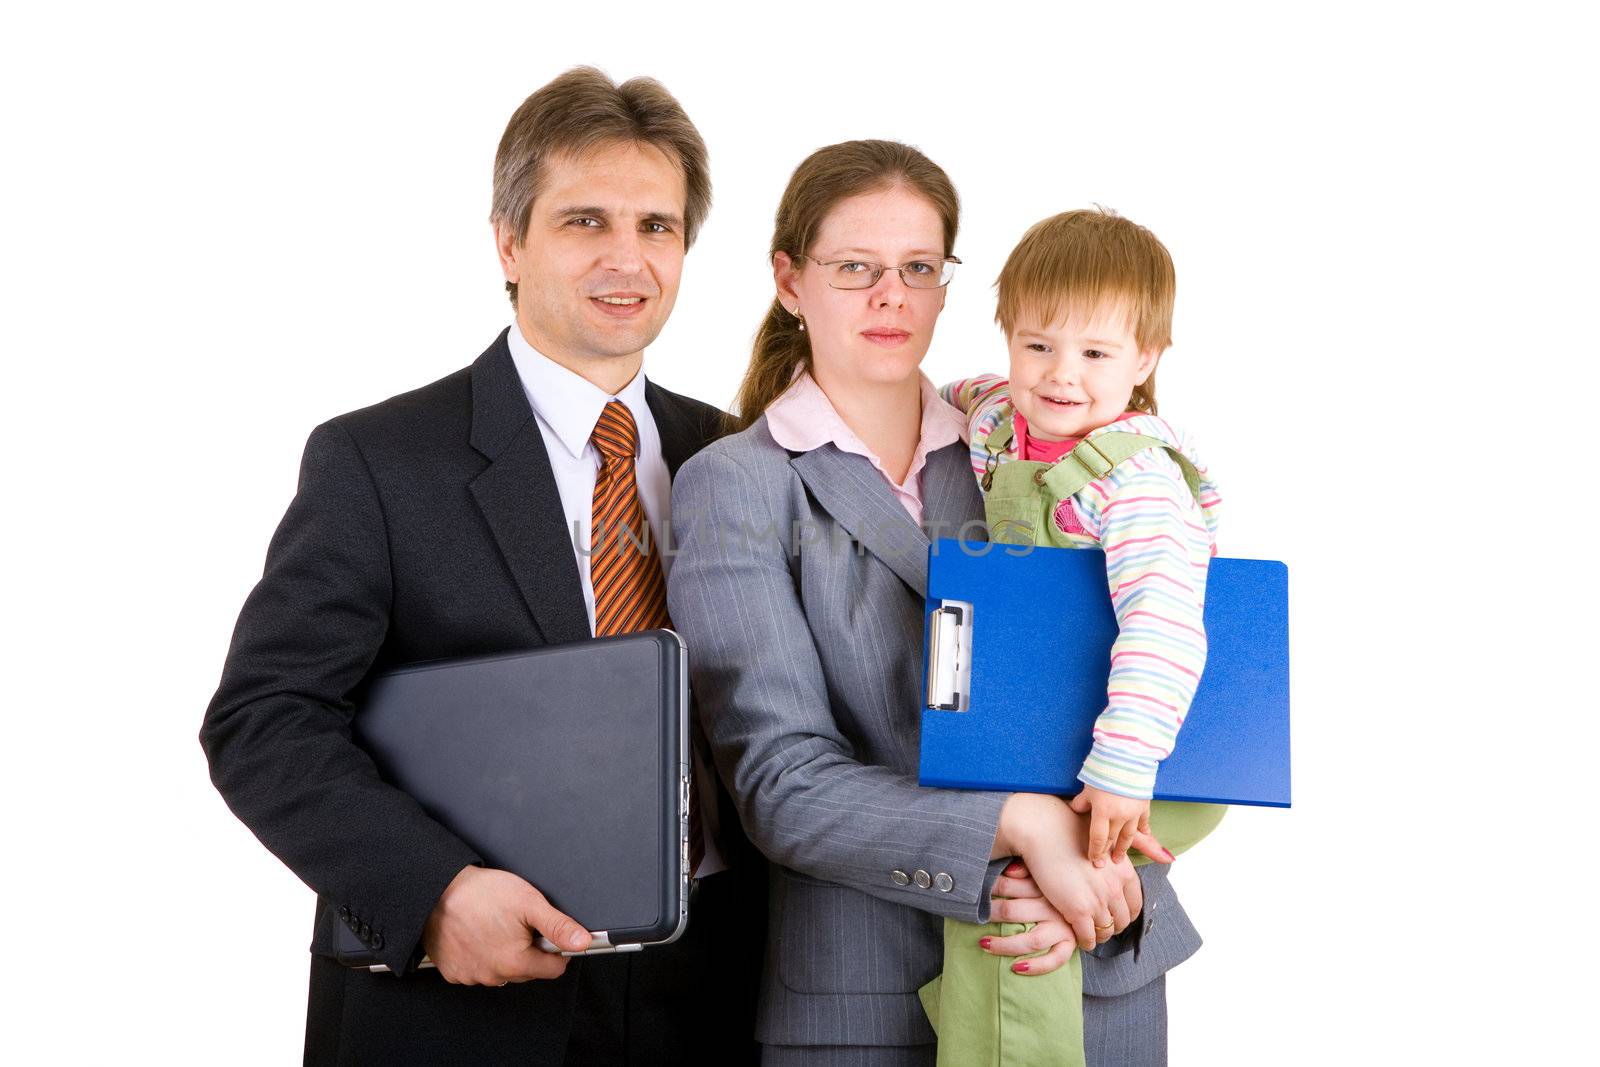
(225, 224)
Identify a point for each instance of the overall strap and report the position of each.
(1097, 456)
(998, 440)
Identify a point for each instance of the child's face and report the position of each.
(1075, 375)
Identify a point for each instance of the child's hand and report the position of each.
(1114, 822)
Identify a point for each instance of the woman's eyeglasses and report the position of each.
(859, 274)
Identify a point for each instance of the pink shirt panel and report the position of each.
(803, 418)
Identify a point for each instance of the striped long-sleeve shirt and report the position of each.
(1158, 540)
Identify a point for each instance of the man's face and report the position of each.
(597, 272)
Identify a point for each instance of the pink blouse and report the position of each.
(803, 418)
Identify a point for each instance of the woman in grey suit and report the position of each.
(798, 582)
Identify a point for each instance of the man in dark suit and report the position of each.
(455, 520)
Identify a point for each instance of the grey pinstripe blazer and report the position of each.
(798, 583)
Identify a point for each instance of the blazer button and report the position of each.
(365, 931)
(922, 879)
(376, 942)
(344, 912)
(943, 882)
(900, 877)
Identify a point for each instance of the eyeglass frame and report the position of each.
(877, 272)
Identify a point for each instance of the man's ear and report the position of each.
(506, 245)
(1147, 365)
(783, 278)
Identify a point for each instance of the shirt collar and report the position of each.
(568, 403)
(803, 419)
(1028, 447)
(942, 424)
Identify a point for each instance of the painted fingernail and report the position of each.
(983, 942)
(1021, 967)
(1170, 856)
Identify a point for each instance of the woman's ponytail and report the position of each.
(781, 348)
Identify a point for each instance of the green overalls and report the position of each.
(985, 1014)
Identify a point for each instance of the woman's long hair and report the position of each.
(827, 177)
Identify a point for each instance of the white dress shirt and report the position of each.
(567, 406)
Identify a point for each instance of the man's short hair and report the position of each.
(1079, 260)
(583, 109)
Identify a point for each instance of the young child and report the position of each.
(1069, 452)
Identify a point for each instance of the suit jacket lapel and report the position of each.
(950, 497)
(850, 489)
(680, 438)
(517, 495)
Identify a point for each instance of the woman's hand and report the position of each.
(1017, 899)
(1024, 903)
(1114, 822)
(1049, 838)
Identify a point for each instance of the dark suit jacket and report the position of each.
(425, 526)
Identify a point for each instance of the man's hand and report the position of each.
(1115, 823)
(484, 930)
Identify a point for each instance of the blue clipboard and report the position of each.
(1006, 710)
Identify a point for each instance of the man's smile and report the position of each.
(620, 305)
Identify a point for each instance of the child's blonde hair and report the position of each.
(1075, 262)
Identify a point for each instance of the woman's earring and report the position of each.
(802, 319)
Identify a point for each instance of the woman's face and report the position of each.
(877, 335)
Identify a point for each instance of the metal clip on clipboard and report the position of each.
(950, 656)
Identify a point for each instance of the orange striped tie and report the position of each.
(630, 590)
